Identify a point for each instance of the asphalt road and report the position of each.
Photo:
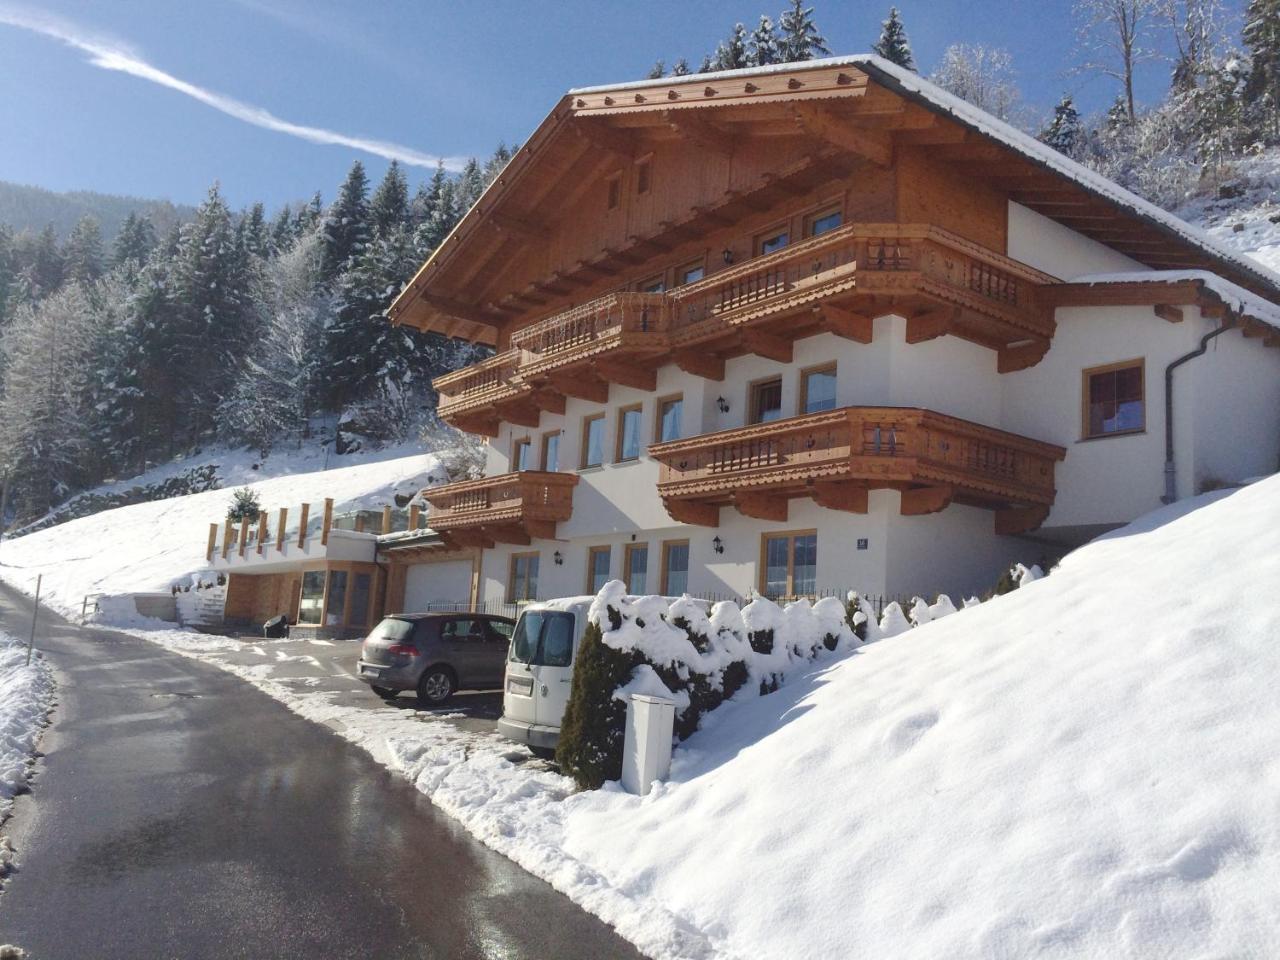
(180, 813)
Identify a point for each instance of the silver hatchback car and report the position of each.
(435, 654)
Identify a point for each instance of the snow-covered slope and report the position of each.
(1088, 767)
(1249, 223)
(26, 693)
(147, 546)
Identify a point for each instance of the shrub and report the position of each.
(594, 724)
(245, 505)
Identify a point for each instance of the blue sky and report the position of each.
(425, 78)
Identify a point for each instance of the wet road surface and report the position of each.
(178, 812)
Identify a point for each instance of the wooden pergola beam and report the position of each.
(870, 145)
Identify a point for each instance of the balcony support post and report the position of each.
(925, 500)
(213, 542)
(767, 345)
(846, 323)
(1024, 355)
(281, 524)
(761, 506)
(694, 512)
(627, 374)
(846, 496)
(302, 525)
(581, 387)
(1017, 520)
(700, 364)
(931, 324)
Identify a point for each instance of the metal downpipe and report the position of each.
(1170, 474)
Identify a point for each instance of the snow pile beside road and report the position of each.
(26, 694)
(1088, 766)
(145, 547)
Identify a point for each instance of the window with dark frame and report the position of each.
(652, 285)
(593, 441)
(766, 400)
(818, 390)
(789, 564)
(523, 582)
(1114, 399)
(522, 455)
(823, 222)
(551, 451)
(597, 568)
(692, 273)
(635, 568)
(642, 176)
(670, 411)
(772, 241)
(628, 434)
(675, 567)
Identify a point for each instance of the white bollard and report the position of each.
(646, 749)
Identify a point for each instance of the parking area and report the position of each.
(329, 666)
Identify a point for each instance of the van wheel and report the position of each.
(543, 753)
(386, 693)
(435, 687)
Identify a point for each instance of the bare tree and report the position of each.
(1197, 27)
(981, 75)
(1113, 37)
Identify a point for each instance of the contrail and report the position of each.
(112, 55)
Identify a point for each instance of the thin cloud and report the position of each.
(109, 54)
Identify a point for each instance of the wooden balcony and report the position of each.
(511, 508)
(836, 457)
(838, 282)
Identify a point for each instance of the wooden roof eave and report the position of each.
(1154, 293)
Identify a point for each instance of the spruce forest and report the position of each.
(252, 330)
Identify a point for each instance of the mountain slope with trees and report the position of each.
(24, 207)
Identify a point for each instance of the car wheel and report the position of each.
(435, 687)
(543, 753)
(386, 693)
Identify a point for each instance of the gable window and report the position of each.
(642, 176)
(597, 568)
(523, 582)
(766, 400)
(675, 567)
(818, 390)
(593, 441)
(1114, 401)
(822, 222)
(628, 433)
(551, 451)
(670, 410)
(615, 191)
(522, 455)
(691, 273)
(772, 240)
(789, 564)
(635, 567)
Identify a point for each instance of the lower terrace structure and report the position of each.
(820, 326)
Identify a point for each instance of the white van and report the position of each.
(539, 671)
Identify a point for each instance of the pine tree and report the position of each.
(255, 236)
(82, 255)
(893, 44)
(497, 163)
(389, 207)
(708, 63)
(470, 185)
(427, 199)
(1064, 132)
(135, 241)
(762, 48)
(659, 69)
(310, 217)
(282, 235)
(731, 54)
(681, 68)
(8, 275)
(800, 38)
(443, 217)
(47, 266)
(1262, 91)
(346, 223)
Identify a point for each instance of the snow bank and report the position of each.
(1084, 767)
(148, 546)
(26, 694)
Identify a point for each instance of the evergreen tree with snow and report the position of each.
(82, 254)
(732, 54)
(1064, 133)
(443, 216)
(762, 48)
(310, 217)
(680, 68)
(346, 223)
(8, 274)
(281, 230)
(46, 270)
(1261, 37)
(135, 241)
(657, 71)
(427, 199)
(893, 44)
(254, 233)
(389, 207)
(800, 38)
(497, 163)
(470, 185)
(708, 63)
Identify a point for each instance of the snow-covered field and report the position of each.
(26, 694)
(1088, 767)
(147, 546)
(1249, 223)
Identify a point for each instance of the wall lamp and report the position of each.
(558, 558)
(722, 404)
(717, 545)
(728, 256)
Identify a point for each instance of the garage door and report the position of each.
(437, 583)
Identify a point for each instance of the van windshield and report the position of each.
(543, 638)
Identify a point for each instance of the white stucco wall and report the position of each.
(1047, 245)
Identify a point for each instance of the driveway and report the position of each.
(179, 812)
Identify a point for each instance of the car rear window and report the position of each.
(393, 629)
(543, 638)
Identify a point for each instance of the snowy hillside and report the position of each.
(1250, 222)
(1086, 767)
(146, 546)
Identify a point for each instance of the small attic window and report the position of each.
(615, 191)
(642, 177)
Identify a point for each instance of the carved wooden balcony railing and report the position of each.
(511, 508)
(837, 456)
(838, 281)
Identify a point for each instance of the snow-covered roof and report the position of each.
(933, 96)
(1235, 297)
